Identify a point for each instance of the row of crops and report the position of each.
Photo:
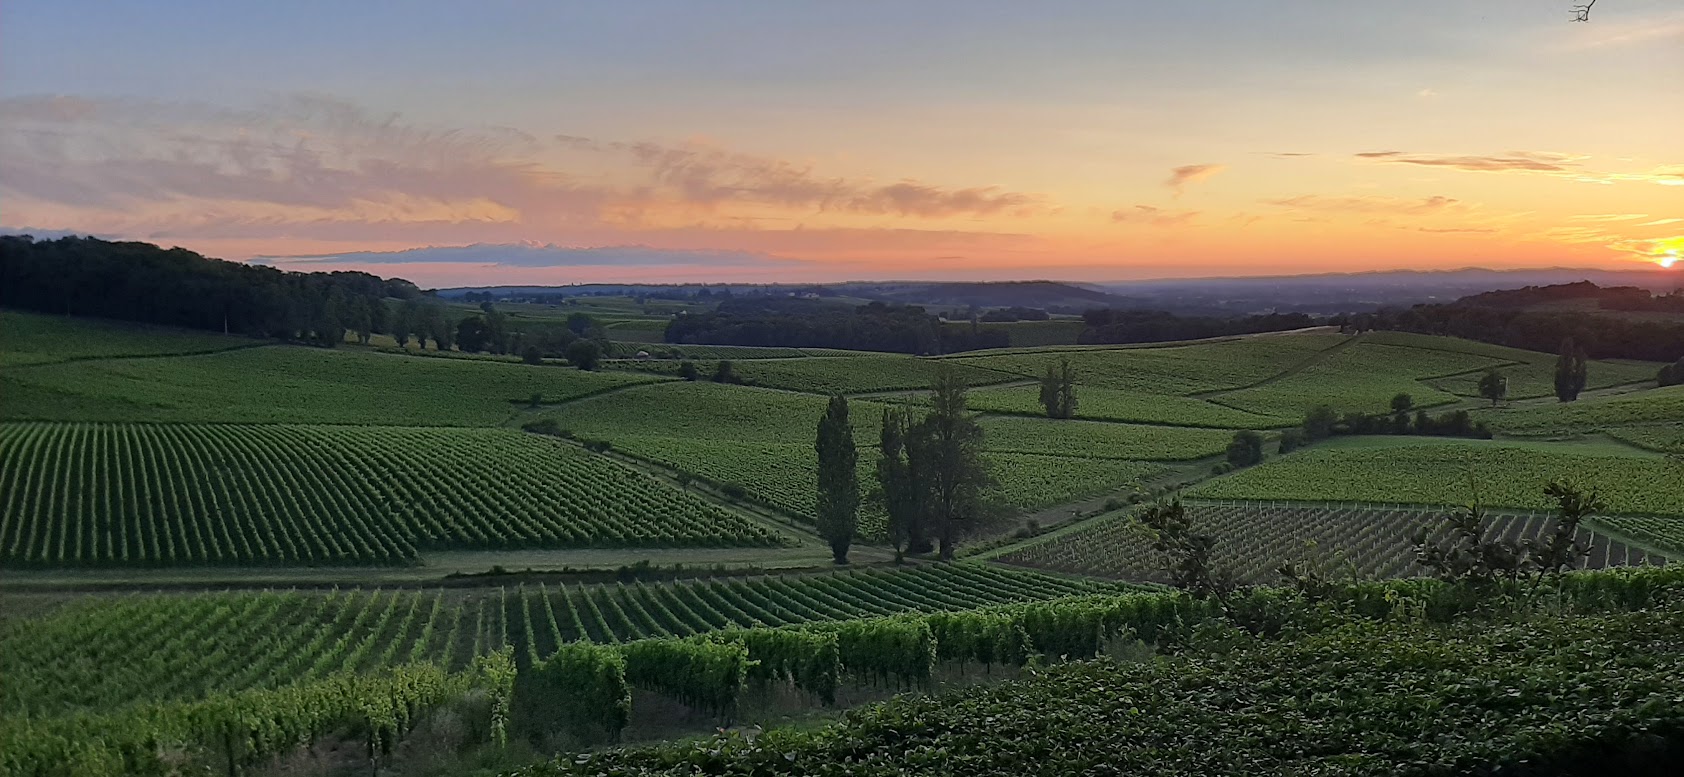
(103, 653)
(75, 494)
(1175, 370)
(837, 374)
(1398, 470)
(1254, 539)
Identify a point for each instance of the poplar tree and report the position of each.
(838, 502)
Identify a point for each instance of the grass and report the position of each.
(1501, 474)
(293, 384)
(32, 338)
(1101, 440)
(1119, 405)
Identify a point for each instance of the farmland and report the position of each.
(1254, 539)
(293, 384)
(200, 644)
(160, 494)
(1439, 473)
(1181, 369)
(1664, 439)
(1087, 439)
(31, 338)
(1591, 413)
(1362, 378)
(1103, 404)
(835, 374)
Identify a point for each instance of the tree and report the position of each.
(896, 491)
(532, 355)
(687, 370)
(839, 491)
(406, 320)
(1058, 391)
(1493, 385)
(471, 334)
(952, 471)
(724, 373)
(584, 354)
(580, 323)
(1188, 555)
(1291, 440)
(1245, 449)
(1401, 405)
(1318, 423)
(1570, 371)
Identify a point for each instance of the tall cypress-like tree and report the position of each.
(896, 490)
(1058, 390)
(1571, 371)
(950, 450)
(839, 494)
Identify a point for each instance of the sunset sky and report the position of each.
(558, 142)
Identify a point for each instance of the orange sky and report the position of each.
(763, 142)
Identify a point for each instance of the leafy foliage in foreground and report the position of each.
(1356, 699)
(225, 494)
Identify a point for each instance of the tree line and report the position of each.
(1512, 318)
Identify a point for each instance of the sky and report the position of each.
(476, 143)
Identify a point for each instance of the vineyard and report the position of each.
(840, 374)
(1254, 539)
(1592, 413)
(104, 654)
(156, 494)
(1411, 471)
(1664, 534)
(1529, 373)
(30, 338)
(1103, 404)
(757, 439)
(1362, 378)
(1661, 439)
(294, 384)
(1173, 370)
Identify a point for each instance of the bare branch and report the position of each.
(1581, 13)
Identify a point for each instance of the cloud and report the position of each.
(1426, 93)
(1453, 230)
(1658, 222)
(1181, 176)
(1157, 217)
(314, 168)
(1529, 161)
(1609, 217)
(1371, 204)
(529, 256)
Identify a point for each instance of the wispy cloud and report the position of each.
(1608, 217)
(1154, 216)
(1370, 204)
(1181, 176)
(1530, 161)
(1456, 230)
(528, 256)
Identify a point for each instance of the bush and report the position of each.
(1671, 374)
(584, 354)
(582, 689)
(598, 446)
(687, 370)
(1246, 449)
(531, 355)
(1291, 440)
(734, 490)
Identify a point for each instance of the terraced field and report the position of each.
(100, 654)
(1254, 540)
(76, 494)
(293, 384)
(1412, 471)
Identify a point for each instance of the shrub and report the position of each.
(1291, 440)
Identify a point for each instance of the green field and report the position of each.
(1097, 440)
(32, 338)
(1664, 405)
(1252, 541)
(1183, 369)
(101, 654)
(1663, 439)
(1103, 404)
(293, 384)
(1397, 470)
(853, 374)
(221, 494)
(1362, 377)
